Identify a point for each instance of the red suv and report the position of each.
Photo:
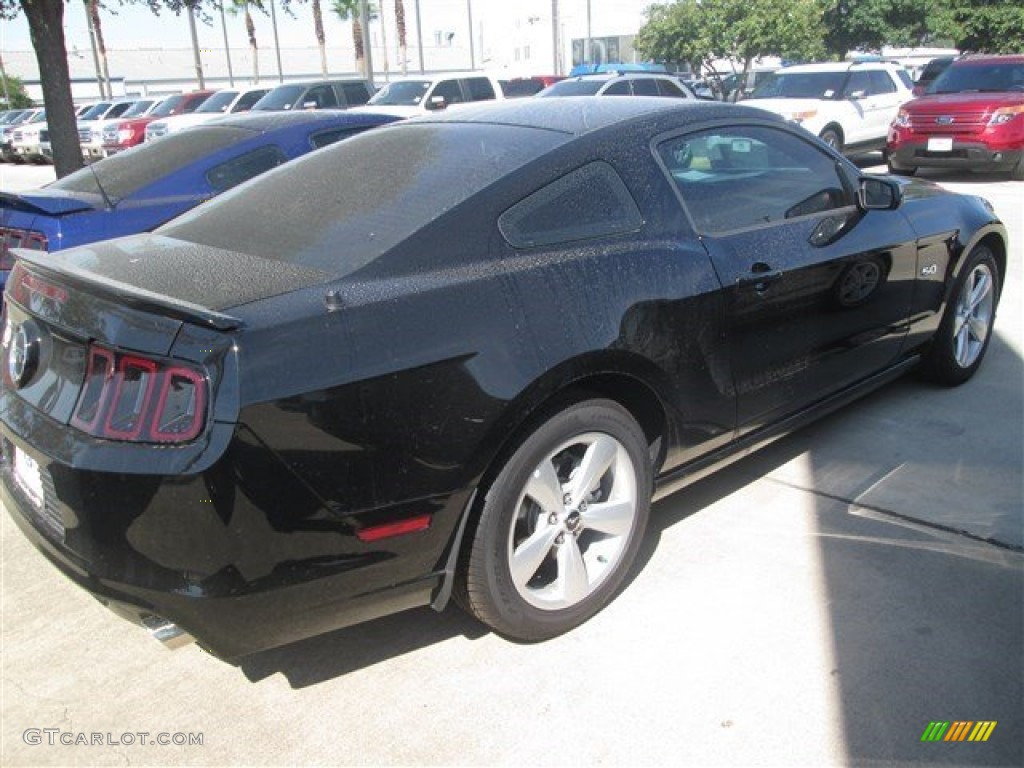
(125, 134)
(971, 117)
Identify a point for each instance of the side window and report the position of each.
(620, 88)
(859, 82)
(448, 90)
(881, 82)
(668, 88)
(245, 103)
(320, 97)
(355, 93)
(238, 169)
(480, 88)
(324, 138)
(746, 176)
(589, 202)
(645, 86)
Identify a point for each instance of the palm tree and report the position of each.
(321, 41)
(242, 7)
(348, 10)
(400, 24)
(92, 7)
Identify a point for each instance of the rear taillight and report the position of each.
(18, 238)
(138, 399)
(22, 285)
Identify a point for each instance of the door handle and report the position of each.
(761, 276)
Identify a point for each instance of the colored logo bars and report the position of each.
(959, 730)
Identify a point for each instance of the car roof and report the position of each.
(578, 115)
(270, 121)
(837, 66)
(978, 58)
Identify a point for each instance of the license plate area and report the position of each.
(29, 478)
(35, 487)
(940, 144)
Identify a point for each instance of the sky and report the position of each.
(128, 26)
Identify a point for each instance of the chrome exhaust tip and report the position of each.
(170, 635)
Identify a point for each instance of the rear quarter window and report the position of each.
(588, 203)
(233, 172)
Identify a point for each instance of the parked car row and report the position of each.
(350, 386)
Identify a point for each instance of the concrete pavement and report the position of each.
(811, 605)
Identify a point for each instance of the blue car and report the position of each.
(140, 189)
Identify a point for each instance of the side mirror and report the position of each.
(858, 95)
(435, 103)
(309, 105)
(877, 194)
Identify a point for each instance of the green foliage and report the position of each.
(15, 89)
(867, 25)
(699, 31)
(988, 26)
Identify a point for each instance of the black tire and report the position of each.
(833, 138)
(959, 346)
(1017, 172)
(895, 169)
(550, 539)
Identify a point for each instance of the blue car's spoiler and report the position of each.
(42, 201)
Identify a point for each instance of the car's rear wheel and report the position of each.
(959, 345)
(561, 523)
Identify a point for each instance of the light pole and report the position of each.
(554, 37)
(472, 54)
(277, 45)
(419, 37)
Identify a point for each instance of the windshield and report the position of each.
(138, 108)
(219, 102)
(340, 208)
(127, 172)
(801, 85)
(573, 88)
(406, 93)
(962, 77)
(282, 97)
(96, 111)
(12, 117)
(168, 106)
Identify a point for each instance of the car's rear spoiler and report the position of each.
(46, 203)
(133, 296)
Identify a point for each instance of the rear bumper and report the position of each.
(971, 156)
(194, 553)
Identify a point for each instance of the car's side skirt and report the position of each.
(680, 477)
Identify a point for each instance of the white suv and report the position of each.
(413, 96)
(849, 106)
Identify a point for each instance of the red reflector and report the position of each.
(387, 530)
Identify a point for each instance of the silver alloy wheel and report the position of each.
(973, 320)
(573, 521)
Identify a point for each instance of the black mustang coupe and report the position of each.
(460, 355)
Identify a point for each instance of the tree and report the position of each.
(867, 25)
(400, 25)
(92, 8)
(321, 40)
(988, 26)
(348, 10)
(699, 32)
(241, 7)
(46, 28)
(14, 90)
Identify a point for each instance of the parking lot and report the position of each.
(819, 603)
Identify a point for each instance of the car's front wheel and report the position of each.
(960, 343)
(833, 138)
(561, 523)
